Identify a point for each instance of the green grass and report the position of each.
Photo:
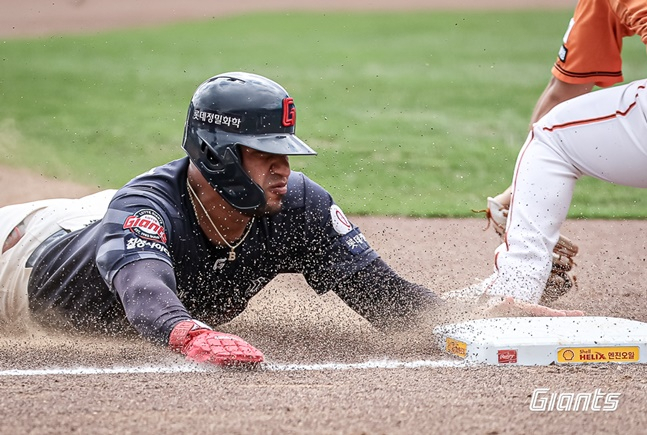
(417, 114)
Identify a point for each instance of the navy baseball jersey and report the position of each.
(151, 217)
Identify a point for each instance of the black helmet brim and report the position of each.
(271, 143)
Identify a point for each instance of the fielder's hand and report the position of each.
(201, 344)
(561, 278)
(507, 306)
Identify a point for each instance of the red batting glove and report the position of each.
(201, 344)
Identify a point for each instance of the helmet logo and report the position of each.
(289, 112)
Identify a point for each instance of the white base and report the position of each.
(533, 341)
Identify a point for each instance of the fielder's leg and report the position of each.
(603, 135)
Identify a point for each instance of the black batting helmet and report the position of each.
(234, 109)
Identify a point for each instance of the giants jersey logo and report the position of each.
(147, 224)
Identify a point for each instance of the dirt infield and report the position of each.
(293, 326)
(300, 332)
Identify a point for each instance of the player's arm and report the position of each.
(146, 289)
(147, 292)
(335, 255)
(590, 55)
(384, 298)
(557, 92)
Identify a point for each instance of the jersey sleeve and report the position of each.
(384, 298)
(633, 13)
(592, 45)
(134, 228)
(335, 249)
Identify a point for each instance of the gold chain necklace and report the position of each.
(232, 253)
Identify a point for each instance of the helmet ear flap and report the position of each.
(222, 167)
(222, 162)
(211, 159)
(233, 155)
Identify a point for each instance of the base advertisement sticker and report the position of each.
(456, 347)
(598, 354)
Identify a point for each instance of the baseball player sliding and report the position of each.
(590, 56)
(194, 240)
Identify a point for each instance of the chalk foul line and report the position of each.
(267, 367)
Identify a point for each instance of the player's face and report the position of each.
(271, 172)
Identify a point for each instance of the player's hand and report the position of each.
(496, 306)
(201, 344)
